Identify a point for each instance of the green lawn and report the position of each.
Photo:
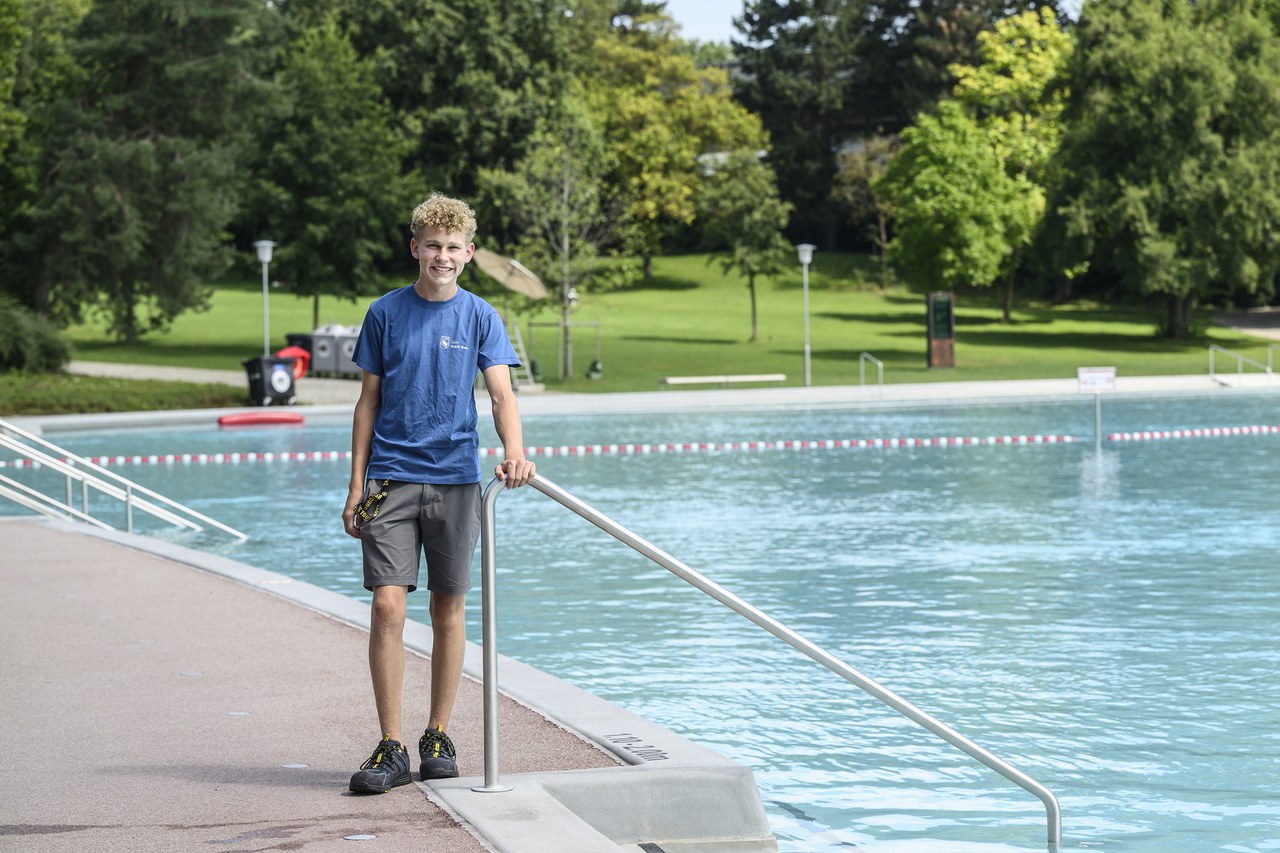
(693, 320)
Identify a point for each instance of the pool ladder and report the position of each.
(733, 602)
(77, 469)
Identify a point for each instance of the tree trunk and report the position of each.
(1179, 326)
(1008, 295)
(751, 286)
(648, 266)
(315, 311)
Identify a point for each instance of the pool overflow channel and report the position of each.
(492, 782)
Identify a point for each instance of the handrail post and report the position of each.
(128, 508)
(489, 631)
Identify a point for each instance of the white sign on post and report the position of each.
(1095, 380)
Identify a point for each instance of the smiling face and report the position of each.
(442, 255)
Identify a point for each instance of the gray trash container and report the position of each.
(324, 348)
(346, 348)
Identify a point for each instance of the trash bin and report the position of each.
(299, 339)
(324, 348)
(270, 380)
(346, 348)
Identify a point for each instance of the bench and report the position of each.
(722, 381)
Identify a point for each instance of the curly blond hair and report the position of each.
(444, 214)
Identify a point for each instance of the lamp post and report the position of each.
(806, 257)
(264, 248)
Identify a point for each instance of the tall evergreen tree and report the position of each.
(466, 83)
(144, 171)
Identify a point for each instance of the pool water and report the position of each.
(1104, 621)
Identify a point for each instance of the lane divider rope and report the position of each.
(1201, 432)
(236, 458)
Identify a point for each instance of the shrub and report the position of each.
(29, 342)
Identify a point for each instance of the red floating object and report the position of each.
(267, 417)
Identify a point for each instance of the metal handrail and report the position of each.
(862, 372)
(1241, 361)
(733, 602)
(87, 480)
(77, 468)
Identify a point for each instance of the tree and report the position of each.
(960, 216)
(858, 167)
(1169, 179)
(328, 189)
(467, 84)
(557, 200)
(12, 35)
(43, 73)
(794, 72)
(740, 210)
(660, 113)
(1015, 95)
(821, 73)
(141, 173)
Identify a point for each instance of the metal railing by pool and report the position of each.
(492, 783)
(90, 475)
(1241, 361)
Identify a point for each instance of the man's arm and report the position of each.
(361, 445)
(515, 469)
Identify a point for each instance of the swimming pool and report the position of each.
(1105, 622)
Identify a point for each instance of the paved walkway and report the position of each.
(151, 706)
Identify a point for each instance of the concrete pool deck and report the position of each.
(158, 698)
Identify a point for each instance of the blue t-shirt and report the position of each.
(427, 354)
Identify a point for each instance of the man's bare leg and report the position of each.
(386, 656)
(448, 648)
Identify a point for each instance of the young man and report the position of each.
(415, 473)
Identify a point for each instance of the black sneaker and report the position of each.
(439, 760)
(387, 768)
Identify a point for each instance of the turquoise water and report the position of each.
(1103, 621)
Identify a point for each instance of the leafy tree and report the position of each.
(858, 167)
(923, 42)
(556, 198)
(1014, 94)
(43, 72)
(329, 191)
(960, 216)
(823, 72)
(1170, 166)
(12, 35)
(659, 113)
(141, 174)
(740, 210)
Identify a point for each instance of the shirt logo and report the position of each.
(447, 342)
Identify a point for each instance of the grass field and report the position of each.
(693, 320)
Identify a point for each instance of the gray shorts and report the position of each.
(442, 522)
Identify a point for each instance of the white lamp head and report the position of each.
(264, 248)
(806, 252)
